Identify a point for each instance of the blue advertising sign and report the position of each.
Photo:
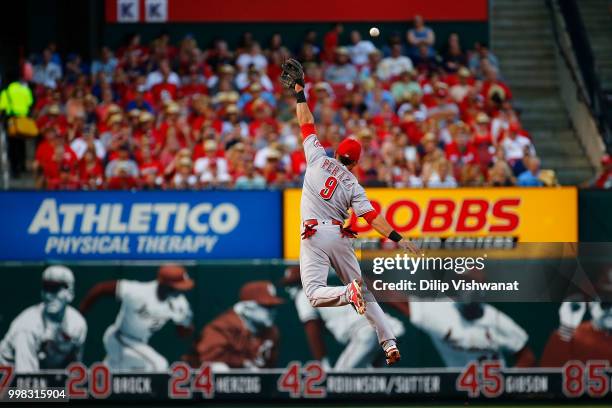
(140, 225)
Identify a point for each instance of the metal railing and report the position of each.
(585, 59)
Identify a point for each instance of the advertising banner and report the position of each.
(183, 11)
(143, 225)
(484, 216)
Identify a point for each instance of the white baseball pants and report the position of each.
(328, 248)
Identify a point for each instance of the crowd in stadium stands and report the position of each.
(166, 116)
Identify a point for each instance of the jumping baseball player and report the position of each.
(463, 332)
(145, 309)
(578, 340)
(50, 334)
(330, 189)
(349, 329)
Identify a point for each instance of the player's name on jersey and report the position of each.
(438, 285)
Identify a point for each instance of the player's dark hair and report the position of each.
(345, 160)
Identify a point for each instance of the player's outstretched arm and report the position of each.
(383, 228)
(304, 116)
(108, 288)
(292, 78)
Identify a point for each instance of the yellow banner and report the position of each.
(522, 214)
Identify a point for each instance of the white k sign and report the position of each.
(128, 11)
(156, 11)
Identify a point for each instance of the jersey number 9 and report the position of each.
(330, 186)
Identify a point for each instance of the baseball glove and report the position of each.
(293, 73)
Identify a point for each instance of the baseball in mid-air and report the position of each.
(374, 32)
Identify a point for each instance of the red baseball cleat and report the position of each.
(392, 355)
(355, 297)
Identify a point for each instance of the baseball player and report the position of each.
(50, 334)
(145, 309)
(350, 329)
(463, 332)
(330, 189)
(578, 340)
(245, 336)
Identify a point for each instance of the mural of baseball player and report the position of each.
(49, 334)
(244, 336)
(348, 328)
(463, 332)
(576, 339)
(145, 308)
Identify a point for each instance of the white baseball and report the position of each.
(374, 32)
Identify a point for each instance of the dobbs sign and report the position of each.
(511, 214)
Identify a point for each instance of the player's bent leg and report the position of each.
(392, 354)
(314, 268)
(114, 350)
(123, 353)
(154, 362)
(360, 350)
(347, 268)
(354, 295)
(378, 320)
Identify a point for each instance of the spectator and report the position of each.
(342, 71)
(184, 179)
(91, 173)
(106, 64)
(16, 101)
(65, 180)
(463, 87)
(310, 40)
(494, 91)
(254, 57)
(87, 141)
(531, 176)
(406, 86)
(360, 49)
(200, 130)
(516, 147)
(394, 65)
(47, 73)
(219, 55)
(501, 175)
(122, 178)
(122, 164)
(394, 38)
(141, 100)
(454, 57)
(331, 41)
(163, 74)
(482, 53)
(253, 76)
(211, 169)
(419, 35)
(250, 179)
(440, 176)
(75, 69)
(425, 60)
